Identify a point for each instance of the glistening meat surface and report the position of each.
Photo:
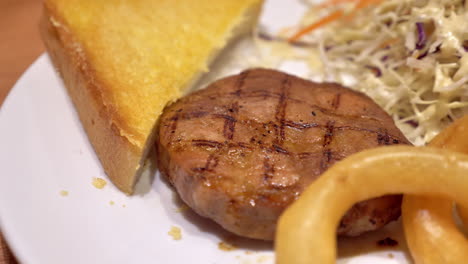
(243, 149)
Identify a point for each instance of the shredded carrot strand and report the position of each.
(326, 20)
(360, 5)
(365, 3)
(334, 2)
(333, 16)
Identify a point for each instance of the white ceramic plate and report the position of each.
(44, 151)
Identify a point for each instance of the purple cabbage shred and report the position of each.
(374, 69)
(422, 56)
(422, 38)
(412, 123)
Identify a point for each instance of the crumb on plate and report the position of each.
(175, 233)
(99, 183)
(111, 203)
(63, 193)
(226, 246)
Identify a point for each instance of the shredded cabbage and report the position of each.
(410, 56)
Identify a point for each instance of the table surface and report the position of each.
(20, 45)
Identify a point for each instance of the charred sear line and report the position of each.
(281, 109)
(383, 138)
(206, 143)
(297, 125)
(336, 101)
(380, 136)
(244, 145)
(225, 117)
(326, 152)
(327, 156)
(230, 121)
(240, 83)
(211, 162)
(328, 136)
(173, 128)
(268, 169)
(279, 149)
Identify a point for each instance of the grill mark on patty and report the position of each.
(336, 101)
(240, 83)
(220, 145)
(230, 121)
(328, 136)
(174, 120)
(206, 143)
(268, 168)
(281, 109)
(384, 138)
(298, 125)
(279, 149)
(210, 164)
(326, 152)
(394, 139)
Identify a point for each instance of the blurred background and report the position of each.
(20, 45)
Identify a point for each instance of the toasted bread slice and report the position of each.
(123, 61)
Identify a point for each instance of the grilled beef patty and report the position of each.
(243, 149)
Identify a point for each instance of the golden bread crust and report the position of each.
(117, 155)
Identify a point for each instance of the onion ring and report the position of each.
(306, 231)
(463, 212)
(431, 232)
